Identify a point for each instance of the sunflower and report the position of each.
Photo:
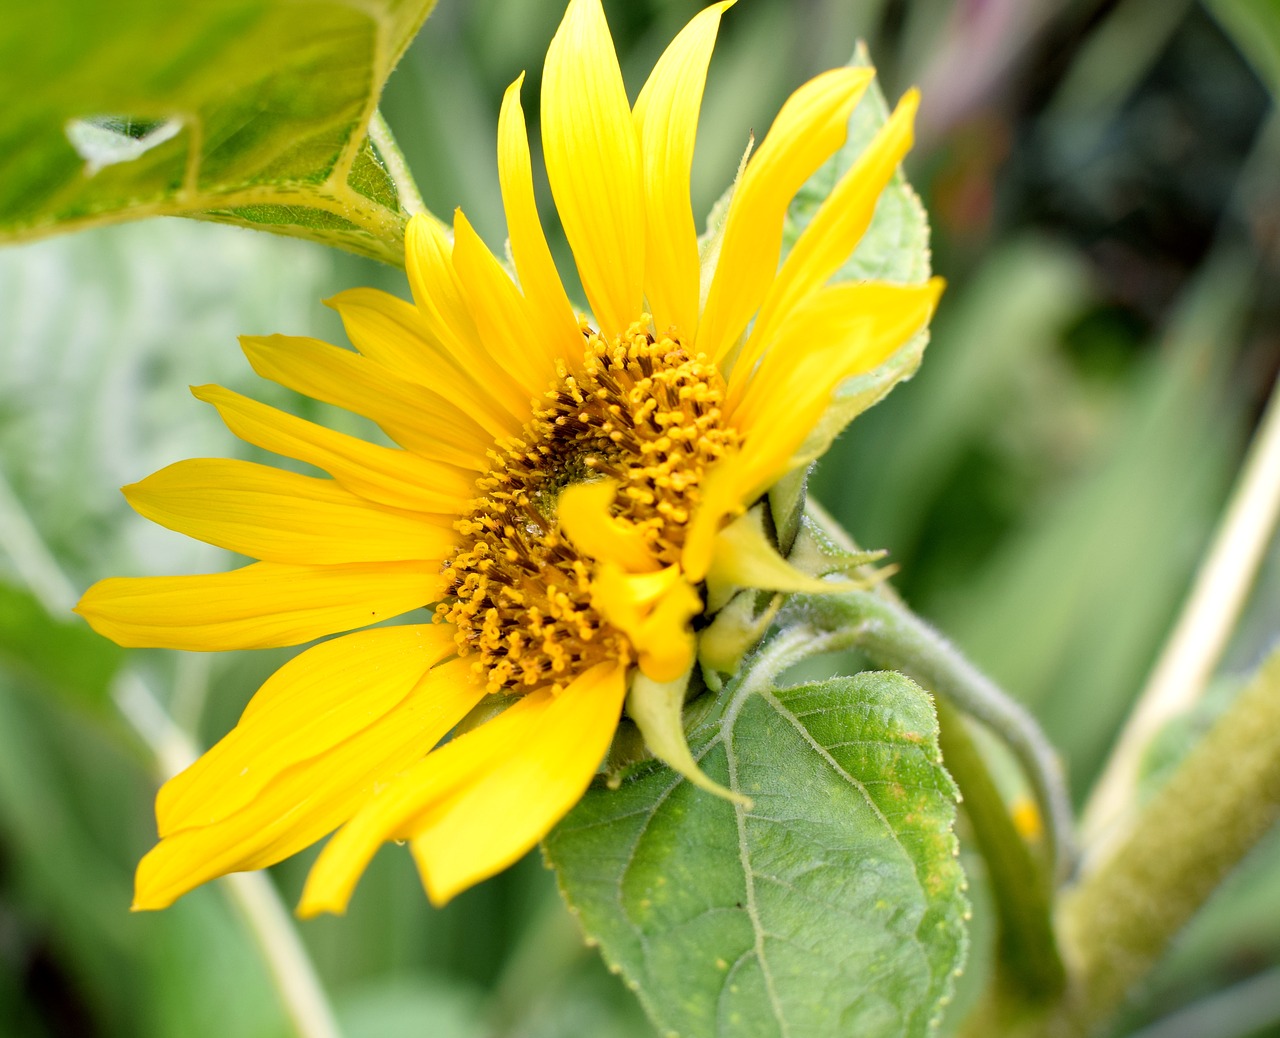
(571, 496)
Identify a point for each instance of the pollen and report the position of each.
(638, 410)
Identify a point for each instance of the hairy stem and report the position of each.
(1221, 800)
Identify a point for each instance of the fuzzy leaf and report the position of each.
(833, 906)
(251, 112)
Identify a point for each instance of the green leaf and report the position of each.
(833, 906)
(252, 112)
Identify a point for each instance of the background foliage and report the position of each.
(1101, 176)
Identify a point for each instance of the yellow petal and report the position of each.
(397, 478)
(313, 797)
(555, 327)
(844, 330)
(505, 322)
(624, 599)
(666, 116)
(658, 711)
(393, 333)
(437, 776)
(318, 699)
(840, 332)
(492, 821)
(666, 646)
(437, 292)
(583, 513)
(593, 162)
(412, 415)
(812, 124)
(281, 516)
(260, 606)
(831, 236)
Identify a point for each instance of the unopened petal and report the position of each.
(744, 557)
(583, 513)
(657, 708)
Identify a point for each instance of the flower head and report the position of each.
(564, 490)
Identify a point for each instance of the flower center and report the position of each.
(638, 411)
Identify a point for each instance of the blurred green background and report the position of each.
(1104, 184)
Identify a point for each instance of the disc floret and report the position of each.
(639, 410)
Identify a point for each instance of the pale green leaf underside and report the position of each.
(833, 906)
(252, 112)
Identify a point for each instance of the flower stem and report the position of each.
(1022, 891)
(896, 638)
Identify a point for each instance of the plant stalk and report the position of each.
(1219, 802)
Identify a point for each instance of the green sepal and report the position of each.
(735, 631)
(815, 553)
